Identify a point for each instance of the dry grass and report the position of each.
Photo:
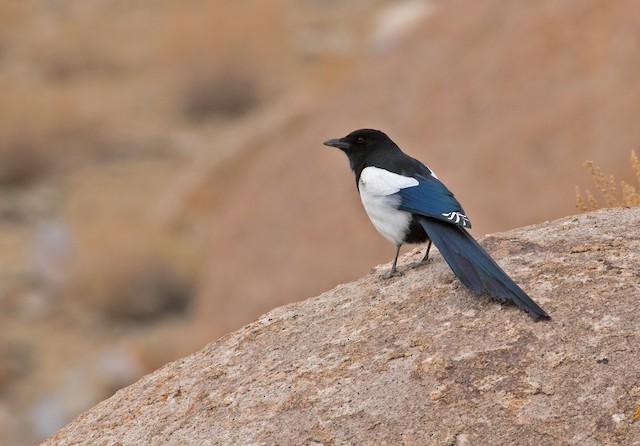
(606, 185)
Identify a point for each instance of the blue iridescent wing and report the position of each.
(431, 198)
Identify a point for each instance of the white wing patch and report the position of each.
(456, 217)
(382, 182)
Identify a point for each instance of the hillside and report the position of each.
(418, 360)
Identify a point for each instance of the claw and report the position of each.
(419, 264)
(390, 274)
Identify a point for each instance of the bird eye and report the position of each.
(360, 140)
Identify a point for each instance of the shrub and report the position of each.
(606, 185)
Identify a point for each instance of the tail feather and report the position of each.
(474, 266)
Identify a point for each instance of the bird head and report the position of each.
(361, 141)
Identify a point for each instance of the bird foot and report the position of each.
(390, 274)
(413, 265)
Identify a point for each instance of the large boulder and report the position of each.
(417, 359)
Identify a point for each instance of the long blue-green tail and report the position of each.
(474, 266)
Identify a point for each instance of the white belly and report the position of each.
(391, 223)
(377, 187)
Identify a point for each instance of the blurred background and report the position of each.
(163, 181)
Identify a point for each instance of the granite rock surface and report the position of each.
(417, 360)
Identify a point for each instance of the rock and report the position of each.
(418, 359)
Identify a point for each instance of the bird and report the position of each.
(408, 204)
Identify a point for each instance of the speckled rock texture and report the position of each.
(417, 360)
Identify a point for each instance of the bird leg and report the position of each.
(394, 271)
(424, 260)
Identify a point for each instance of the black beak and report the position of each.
(336, 142)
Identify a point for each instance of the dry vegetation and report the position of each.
(606, 185)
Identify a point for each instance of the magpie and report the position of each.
(407, 203)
